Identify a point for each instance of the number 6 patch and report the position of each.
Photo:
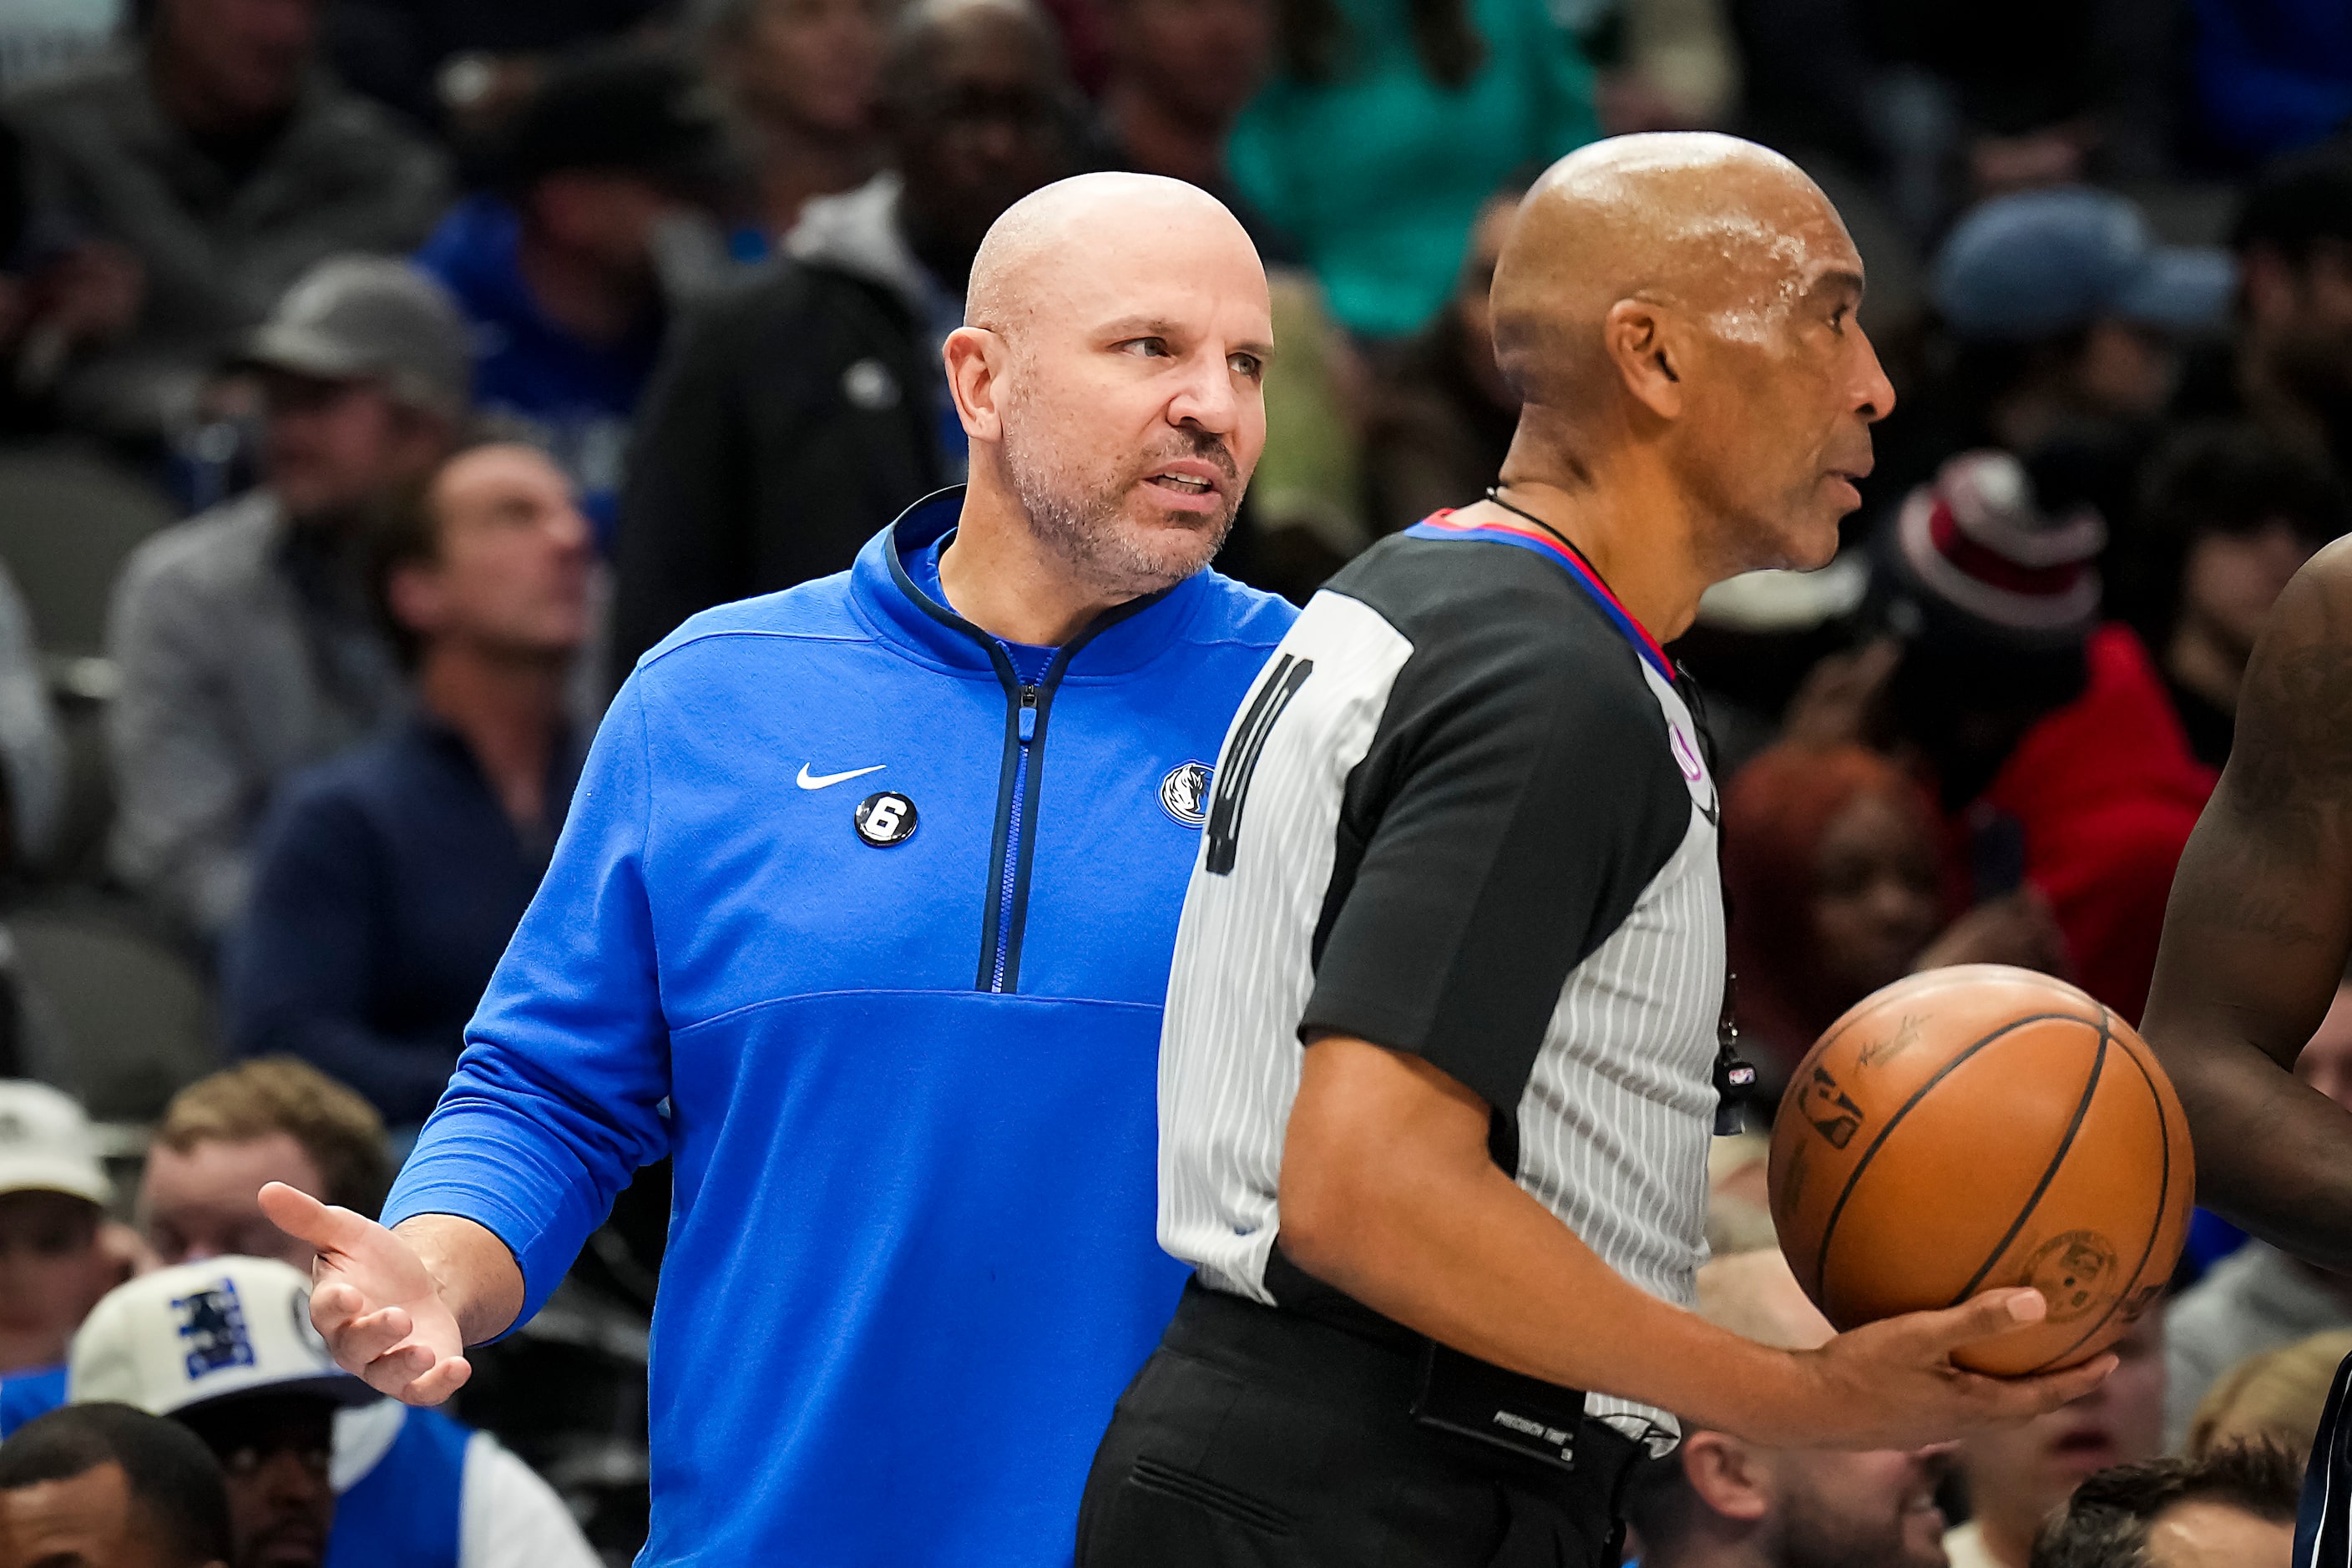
(885, 818)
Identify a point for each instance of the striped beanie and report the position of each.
(1975, 546)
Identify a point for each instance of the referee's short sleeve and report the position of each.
(1518, 799)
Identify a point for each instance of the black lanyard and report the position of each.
(1735, 1078)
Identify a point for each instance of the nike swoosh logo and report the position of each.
(826, 781)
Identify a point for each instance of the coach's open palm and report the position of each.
(373, 1300)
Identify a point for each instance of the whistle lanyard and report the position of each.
(1735, 1078)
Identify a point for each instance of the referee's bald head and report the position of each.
(1691, 297)
(1706, 223)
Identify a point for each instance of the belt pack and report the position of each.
(1472, 1398)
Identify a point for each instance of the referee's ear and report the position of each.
(1731, 1478)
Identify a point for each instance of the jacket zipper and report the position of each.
(1010, 879)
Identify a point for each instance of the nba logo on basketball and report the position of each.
(1834, 1116)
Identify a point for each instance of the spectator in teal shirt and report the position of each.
(1391, 122)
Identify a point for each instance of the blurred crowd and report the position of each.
(380, 378)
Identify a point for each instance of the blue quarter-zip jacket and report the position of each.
(908, 1091)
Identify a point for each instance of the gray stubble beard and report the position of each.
(1081, 526)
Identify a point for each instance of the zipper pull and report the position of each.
(1028, 714)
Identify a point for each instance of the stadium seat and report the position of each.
(67, 518)
(123, 1018)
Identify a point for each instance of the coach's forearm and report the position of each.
(474, 1273)
(1418, 1223)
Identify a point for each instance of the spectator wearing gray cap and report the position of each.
(244, 637)
(2068, 324)
(211, 149)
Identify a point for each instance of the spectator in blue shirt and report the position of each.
(389, 879)
(900, 1036)
(602, 175)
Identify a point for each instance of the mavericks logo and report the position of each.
(213, 1335)
(1185, 794)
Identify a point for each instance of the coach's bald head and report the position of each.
(1108, 231)
(1693, 295)
(1108, 374)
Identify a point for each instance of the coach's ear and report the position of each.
(1729, 1477)
(976, 364)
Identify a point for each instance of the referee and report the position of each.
(1462, 847)
(863, 914)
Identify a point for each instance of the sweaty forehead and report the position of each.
(1706, 221)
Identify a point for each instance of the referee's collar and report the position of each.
(1119, 641)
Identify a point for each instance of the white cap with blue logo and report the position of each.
(205, 1331)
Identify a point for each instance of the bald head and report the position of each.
(1677, 313)
(1721, 230)
(1755, 1296)
(1053, 242)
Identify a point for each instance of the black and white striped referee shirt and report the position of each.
(1464, 814)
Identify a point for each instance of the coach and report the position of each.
(1462, 850)
(863, 914)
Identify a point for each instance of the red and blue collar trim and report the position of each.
(1440, 525)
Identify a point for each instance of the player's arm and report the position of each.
(1389, 1192)
(2257, 931)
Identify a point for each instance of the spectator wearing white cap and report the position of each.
(53, 1196)
(321, 1469)
(222, 1348)
(276, 1120)
(246, 636)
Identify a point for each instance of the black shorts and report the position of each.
(1264, 1438)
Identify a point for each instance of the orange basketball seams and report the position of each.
(1979, 1127)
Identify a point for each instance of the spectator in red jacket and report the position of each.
(2048, 734)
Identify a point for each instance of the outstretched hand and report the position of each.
(374, 1301)
(1894, 1385)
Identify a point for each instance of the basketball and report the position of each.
(1978, 1127)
